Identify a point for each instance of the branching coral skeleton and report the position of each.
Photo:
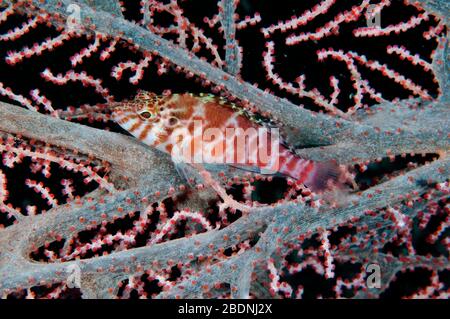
(170, 233)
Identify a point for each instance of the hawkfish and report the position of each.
(206, 128)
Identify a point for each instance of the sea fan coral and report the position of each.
(87, 210)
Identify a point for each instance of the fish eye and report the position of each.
(146, 115)
(172, 121)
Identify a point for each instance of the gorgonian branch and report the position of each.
(142, 177)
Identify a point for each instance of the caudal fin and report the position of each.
(326, 176)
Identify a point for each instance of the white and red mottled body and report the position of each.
(169, 122)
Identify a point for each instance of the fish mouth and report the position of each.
(120, 114)
(117, 112)
(118, 109)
